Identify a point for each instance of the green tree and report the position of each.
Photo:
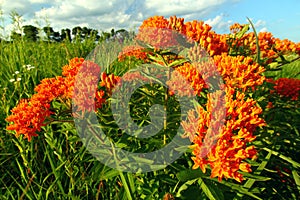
(49, 32)
(105, 36)
(14, 36)
(65, 34)
(94, 33)
(30, 33)
(76, 32)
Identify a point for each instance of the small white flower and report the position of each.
(29, 68)
(12, 80)
(17, 72)
(18, 79)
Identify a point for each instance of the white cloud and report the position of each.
(264, 29)
(259, 23)
(14, 5)
(180, 7)
(104, 15)
(39, 1)
(219, 23)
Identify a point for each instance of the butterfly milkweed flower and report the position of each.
(287, 87)
(109, 81)
(269, 46)
(226, 148)
(213, 43)
(239, 71)
(86, 95)
(31, 114)
(155, 31)
(28, 117)
(133, 51)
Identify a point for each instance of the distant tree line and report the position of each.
(31, 33)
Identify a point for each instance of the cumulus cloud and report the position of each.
(180, 7)
(259, 23)
(264, 29)
(219, 23)
(104, 15)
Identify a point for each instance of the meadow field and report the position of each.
(262, 124)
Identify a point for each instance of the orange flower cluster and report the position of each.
(288, 87)
(224, 146)
(239, 72)
(86, 96)
(109, 81)
(190, 74)
(177, 24)
(28, 117)
(70, 71)
(31, 114)
(179, 82)
(270, 47)
(155, 31)
(133, 51)
(286, 45)
(161, 33)
(213, 43)
(235, 28)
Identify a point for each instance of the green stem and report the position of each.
(54, 172)
(257, 42)
(127, 190)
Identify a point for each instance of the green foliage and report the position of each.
(56, 165)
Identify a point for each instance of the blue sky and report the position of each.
(279, 17)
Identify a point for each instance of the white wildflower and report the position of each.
(29, 67)
(12, 80)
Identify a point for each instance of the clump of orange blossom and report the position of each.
(287, 87)
(30, 115)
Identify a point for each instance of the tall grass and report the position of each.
(22, 65)
(46, 57)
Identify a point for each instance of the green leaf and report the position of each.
(178, 62)
(294, 163)
(256, 177)
(296, 178)
(210, 190)
(109, 173)
(192, 192)
(189, 174)
(238, 188)
(185, 186)
(243, 31)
